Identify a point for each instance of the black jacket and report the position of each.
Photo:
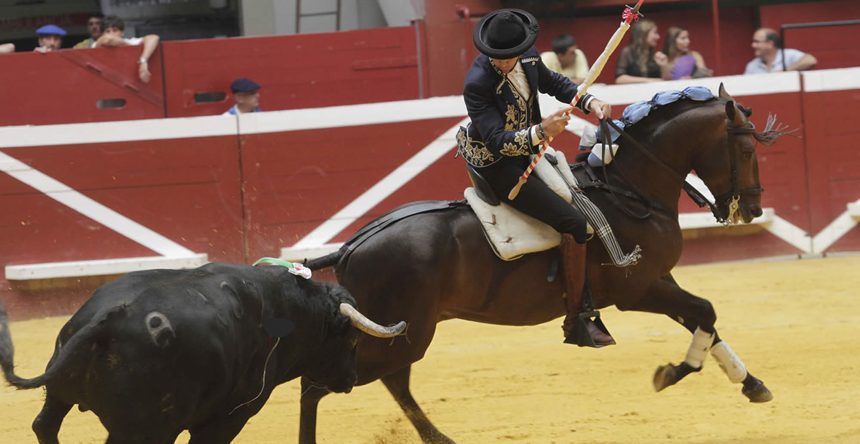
(500, 116)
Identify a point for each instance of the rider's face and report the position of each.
(505, 65)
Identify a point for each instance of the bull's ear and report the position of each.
(278, 327)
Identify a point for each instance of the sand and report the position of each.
(795, 323)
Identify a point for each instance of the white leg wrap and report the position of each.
(699, 347)
(729, 362)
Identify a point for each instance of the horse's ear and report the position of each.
(723, 92)
(731, 110)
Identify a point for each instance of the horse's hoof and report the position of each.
(664, 376)
(757, 392)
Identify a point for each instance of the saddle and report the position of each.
(510, 232)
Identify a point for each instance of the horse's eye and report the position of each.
(748, 156)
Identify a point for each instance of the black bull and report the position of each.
(435, 266)
(158, 352)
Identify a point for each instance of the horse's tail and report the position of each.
(326, 261)
(63, 355)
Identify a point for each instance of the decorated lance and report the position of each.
(629, 16)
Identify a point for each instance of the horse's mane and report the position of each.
(661, 115)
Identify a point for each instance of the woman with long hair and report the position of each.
(683, 63)
(641, 61)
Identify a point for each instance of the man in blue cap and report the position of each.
(506, 128)
(50, 38)
(246, 94)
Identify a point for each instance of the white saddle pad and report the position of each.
(513, 233)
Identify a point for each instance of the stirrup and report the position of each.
(580, 335)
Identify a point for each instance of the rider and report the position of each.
(506, 128)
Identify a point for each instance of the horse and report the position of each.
(438, 265)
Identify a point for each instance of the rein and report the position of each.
(730, 198)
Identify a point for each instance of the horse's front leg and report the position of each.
(698, 316)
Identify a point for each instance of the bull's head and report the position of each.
(336, 370)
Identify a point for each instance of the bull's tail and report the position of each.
(62, 355)
(328, 260)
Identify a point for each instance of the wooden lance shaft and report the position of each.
(629, 16)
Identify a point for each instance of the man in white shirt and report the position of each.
(113, 35)
(769, 55)
(566, 58)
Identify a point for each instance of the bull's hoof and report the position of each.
(664, 376)
(756, 391)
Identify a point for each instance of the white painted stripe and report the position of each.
(101, 267)
(737, 86)
(700, 186)
(382, 189)
(123, 131)
(790, 233)
(82, 204)
(695, 221)
(831, 80)
(300, 254)
(838, 228)
(352, 115)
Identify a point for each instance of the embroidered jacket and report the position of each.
(501, 116)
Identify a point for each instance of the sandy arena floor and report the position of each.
(795, 323)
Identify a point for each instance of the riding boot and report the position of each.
(582, 325)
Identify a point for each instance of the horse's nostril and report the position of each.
(756, 211)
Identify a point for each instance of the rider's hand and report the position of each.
(600, 109)
(555, 123)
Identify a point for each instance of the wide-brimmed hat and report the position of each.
(505, 33)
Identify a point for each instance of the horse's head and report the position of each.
(729, 167)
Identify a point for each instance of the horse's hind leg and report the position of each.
(697, 315)
(398, 384)
(48, 421)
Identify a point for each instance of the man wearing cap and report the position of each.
(50, 38)
(500, 92)
(246, 94)
(113, 35)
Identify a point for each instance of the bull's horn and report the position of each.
(364, 324)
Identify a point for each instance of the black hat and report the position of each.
(244, 86)
(505, 33)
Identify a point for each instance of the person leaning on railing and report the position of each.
(684, 63)
(769, 55)
(641, 62)
(113, 35)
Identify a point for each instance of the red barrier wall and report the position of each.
(239, 195)
(66, 86)
(298, 71)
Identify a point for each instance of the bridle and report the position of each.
(729, 199)
(732, 197)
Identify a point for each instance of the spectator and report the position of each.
(6, 48)
(683, 63)
(566, 58)
(246, 94)
(768, 55)
(640, 61)
(94, 27)
(113, 35)
(50, 38)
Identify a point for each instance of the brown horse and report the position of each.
(437, 265)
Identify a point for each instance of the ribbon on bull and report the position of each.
(630, 15)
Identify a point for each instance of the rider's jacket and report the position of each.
(502, 115)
